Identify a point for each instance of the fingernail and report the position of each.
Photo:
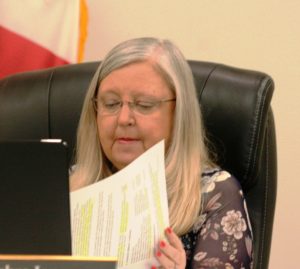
(169, 230)
(162, 244)
(158, 253)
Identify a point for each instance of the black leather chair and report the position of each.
(236, 110)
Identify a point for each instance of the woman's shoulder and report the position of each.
(218, 180)
(221, 193)
(223, 215)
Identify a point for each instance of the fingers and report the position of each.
(173, 239)
(171, 254)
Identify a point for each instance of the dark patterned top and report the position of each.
(222, 235)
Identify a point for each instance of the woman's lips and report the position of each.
(126, 140)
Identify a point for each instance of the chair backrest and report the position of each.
(236, 109)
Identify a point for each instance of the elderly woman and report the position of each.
(143, 92)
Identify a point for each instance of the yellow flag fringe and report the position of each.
(83, 24)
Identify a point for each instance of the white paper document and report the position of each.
(124, 215)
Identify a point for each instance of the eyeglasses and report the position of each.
(113, 106)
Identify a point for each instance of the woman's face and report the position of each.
(126, 131)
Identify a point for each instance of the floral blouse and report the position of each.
(222, 235)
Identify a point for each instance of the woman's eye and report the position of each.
(111, 104)
(145, 105)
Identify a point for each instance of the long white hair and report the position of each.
(186, 156)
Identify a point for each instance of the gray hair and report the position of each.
(186, 155)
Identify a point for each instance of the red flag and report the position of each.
(41, 34)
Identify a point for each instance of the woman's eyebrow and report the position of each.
(110, 92)
(136, 93)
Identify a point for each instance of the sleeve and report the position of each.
(224, 239)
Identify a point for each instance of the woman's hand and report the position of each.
(171, 254)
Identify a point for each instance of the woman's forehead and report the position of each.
(136, 78)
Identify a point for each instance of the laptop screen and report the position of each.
(34, 198)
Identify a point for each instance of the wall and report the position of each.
(260, 35)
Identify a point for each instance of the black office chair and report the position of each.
(236, 111)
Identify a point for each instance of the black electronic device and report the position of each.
(34, 198)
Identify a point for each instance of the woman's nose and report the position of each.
(125, 115)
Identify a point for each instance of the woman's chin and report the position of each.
(120, 163)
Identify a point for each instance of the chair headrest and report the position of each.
(235, 104)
